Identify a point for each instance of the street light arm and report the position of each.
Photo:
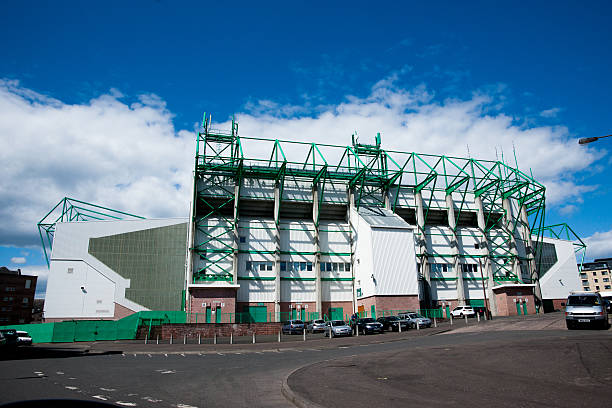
(586, 140)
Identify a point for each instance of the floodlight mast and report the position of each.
(586, 140)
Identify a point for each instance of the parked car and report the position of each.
(316, 326)
(23, 338)
(367, 325)
(414, 318)
(11, 337)
(393, 323)
(461, 311)
(338, 328)
(2, 340)
(586, 308)
(293, 327)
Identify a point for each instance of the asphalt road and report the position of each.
(242, 376)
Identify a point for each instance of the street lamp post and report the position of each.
(586, 140)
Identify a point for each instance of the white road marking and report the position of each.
(150, 399)
(343, 347)
(125, 404)
(168, 372)
(184, 406)
(258, 352)
(182, 354)
(70, 387)
(134, 355)
(72, 378)
(149, 355)
(107, 389)
(237, 353)
(132, 395)
(38, 372)
(221, 354)
(100, 397)
(166, 355)
(59, 373)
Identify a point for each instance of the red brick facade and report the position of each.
(395, 303)
(219, 300)
(16, 297)
(507, 297)
(208, 330)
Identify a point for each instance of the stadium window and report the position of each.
(249, 265)
(296, 267)
(283, 266)
(262, 266)
(604, 272)
(606, 279)
(595, 273)
(595, 280)
(587, 288)
(341, 267)
(322, 266)
(476, 246)
(309, 266)
(585, 282)
(25, 301)
(607, 287)
(347, 267)
(302, 266)
(583, 275)
(596, 287)
(328, 266)
(335, 266)
(242, 240)
(270, 265)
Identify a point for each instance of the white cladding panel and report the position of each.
(255, 291)
(562, 277)
(257, 189)
(335, 237)
(298, 291)
(443, 290)
(395, 271)
(297, 236)
(363, 256)
(337, 291)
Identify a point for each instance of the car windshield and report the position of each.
(319, 321)
(585, 300)
(367, 320)
(413, 315)
(298, 322)
(393, 318)
(338, 323)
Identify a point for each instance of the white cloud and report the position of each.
(568, 209)
(130, 157)
(103, 151)
(550, 113)
(18, 260)
(599, 245)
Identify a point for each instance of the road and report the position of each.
(253, 376)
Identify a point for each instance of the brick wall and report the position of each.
(221, 300)
(389, 303)
(208, 330)
(506, 299)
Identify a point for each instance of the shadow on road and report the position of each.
(41, 352)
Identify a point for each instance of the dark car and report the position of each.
(11, 337)
(393, 323)
(368, 325)
(293, 327)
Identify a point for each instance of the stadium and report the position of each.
(284, 229)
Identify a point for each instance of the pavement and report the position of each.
(447, 366)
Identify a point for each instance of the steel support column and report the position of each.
(317, 258)
(516, 268)
(277, 250)
(235, 236)
(484, 248)
(529, 251)
(455, 249)
(422, 245)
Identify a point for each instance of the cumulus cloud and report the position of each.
(130, 156)
(104, 151)
(411, 120)
(599, 245)
(18, 260)
(550, 113)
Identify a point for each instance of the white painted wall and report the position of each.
(102, 287)
(563, 276)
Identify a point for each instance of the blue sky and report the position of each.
(543, 67)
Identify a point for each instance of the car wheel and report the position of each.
(461, 315)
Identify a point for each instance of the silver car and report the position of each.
(338, 328)
(415, 318)
(586, 308)
(316, 326)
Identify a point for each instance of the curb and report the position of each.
(295, 398)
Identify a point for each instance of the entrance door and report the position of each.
(373, 311)
(518, 308)
(525, 308)
(218, 315)
(256, 314)
(293, 314)
(208, 314)
(448, 312)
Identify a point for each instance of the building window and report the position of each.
(242, 240)
(587, 288)
(28, 283)
(328, 266)
(604, 272)
(595, 273)
(583, 275)
(347, 267)
(9, 289)
(70, 270)
(283, 266)
(25, 301)
(607, 287)
(595, 280)
(596, 287)
(585, 282)
(440, 267)
(606, 279)
(469, 267)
